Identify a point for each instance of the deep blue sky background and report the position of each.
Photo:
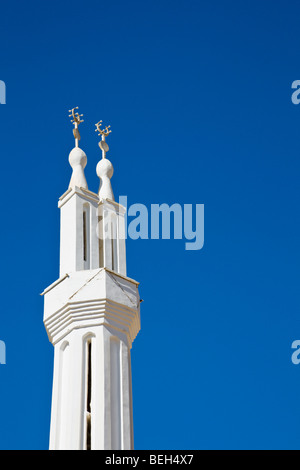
(198, 94)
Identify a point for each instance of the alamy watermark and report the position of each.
(160, 221)
(2, 352)
(296, 354)
(2, 92)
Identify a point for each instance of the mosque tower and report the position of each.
(91, 314)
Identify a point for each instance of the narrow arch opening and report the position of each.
(114, 244)
(86, 236)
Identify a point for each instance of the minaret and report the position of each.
(92, 315)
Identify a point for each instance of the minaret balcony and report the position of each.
(84, 299)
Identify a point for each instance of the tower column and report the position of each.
(92, 316)
(112, 382)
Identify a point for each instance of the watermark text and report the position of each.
(158, 222)
(2, 352)
(2, 92)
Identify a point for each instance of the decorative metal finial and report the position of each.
(104, 133)
(76, 120)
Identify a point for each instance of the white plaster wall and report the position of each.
(90, 303)
(111, 395)
(71, 232)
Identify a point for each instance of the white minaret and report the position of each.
(92, 316)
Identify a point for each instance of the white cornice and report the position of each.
(92, 297)
(61, 279)
(55, 283)
(85, 193)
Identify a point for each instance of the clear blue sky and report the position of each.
(198, 94)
